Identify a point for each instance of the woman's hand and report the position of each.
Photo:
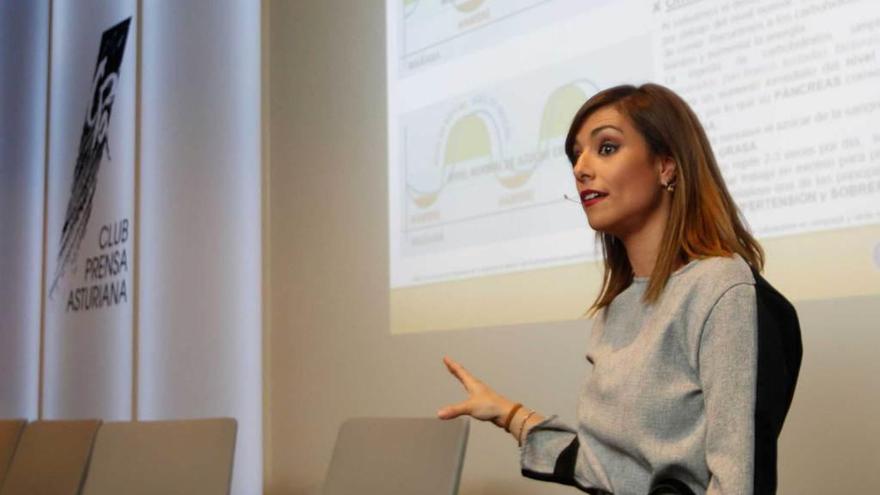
(482, 402)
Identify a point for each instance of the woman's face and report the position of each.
(614, 159)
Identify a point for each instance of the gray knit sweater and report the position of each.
(673, 391)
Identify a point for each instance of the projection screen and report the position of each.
(480, 97)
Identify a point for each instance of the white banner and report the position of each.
(90, 208)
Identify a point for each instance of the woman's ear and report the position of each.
(667, 168)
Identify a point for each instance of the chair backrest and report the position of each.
(51, 458)
(10, 431)
(397, 456)
(192, 457)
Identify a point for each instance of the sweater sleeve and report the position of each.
(549, 452)
(727, 364)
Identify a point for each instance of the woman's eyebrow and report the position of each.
(577, 148)
(596, 130)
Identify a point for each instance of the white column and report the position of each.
(200, 282)
(24, 48)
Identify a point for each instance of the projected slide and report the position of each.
(480, 96)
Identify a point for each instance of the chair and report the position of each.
(192, 457)
(397, 456)
(51, 458)
(10, 431)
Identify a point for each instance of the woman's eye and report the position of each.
(607, 148)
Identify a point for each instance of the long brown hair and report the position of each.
(703, 219)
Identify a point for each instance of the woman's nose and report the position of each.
(582, 171)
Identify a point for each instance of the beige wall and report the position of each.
(329, 353)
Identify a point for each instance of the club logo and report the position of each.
(92, 146)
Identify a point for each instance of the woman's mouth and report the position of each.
(590, 197)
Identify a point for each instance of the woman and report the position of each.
(694, 355)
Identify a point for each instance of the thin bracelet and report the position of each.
(523, 428)
(510, 416)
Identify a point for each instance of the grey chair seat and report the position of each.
(185, 457)
(51, 458)
(397, 456)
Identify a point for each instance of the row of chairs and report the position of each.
(91, 457)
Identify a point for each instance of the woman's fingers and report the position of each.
(481, 401)
(462, 374)
(453, 411)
